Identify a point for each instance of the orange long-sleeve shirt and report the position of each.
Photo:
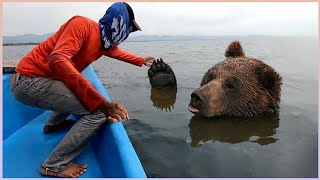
(64, 55)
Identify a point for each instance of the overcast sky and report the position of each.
(162, 18)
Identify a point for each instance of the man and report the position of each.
(49, 77)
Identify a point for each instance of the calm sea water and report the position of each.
(171, 142)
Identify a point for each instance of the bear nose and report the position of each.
(197, 95)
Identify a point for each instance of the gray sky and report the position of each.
(168, 18)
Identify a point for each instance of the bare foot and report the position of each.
(64, 124)
(73, 171)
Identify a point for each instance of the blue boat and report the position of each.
(109, 153)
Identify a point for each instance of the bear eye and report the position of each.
(230, 87)
(208, 77)
(212, 76)
(232, 84)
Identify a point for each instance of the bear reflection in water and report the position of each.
(164, 98)
(259, 129)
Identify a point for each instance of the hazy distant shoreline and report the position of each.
(34, 39)
(19, 44)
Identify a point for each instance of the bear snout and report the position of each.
(197, 102)
(198, 97)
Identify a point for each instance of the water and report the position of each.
(171, 142)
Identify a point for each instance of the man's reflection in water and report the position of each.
(164, 98)
(260, 129)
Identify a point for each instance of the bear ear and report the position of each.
(234, 50)
(270, 80)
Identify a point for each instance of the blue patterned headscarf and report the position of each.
(114, 25)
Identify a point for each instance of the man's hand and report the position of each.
(148, 61)
(114, 112)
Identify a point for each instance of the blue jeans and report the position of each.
(53, 95)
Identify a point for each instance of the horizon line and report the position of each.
(185, 35)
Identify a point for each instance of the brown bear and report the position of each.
(258, 129)
(238, 86)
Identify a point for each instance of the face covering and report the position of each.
(114, 25)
